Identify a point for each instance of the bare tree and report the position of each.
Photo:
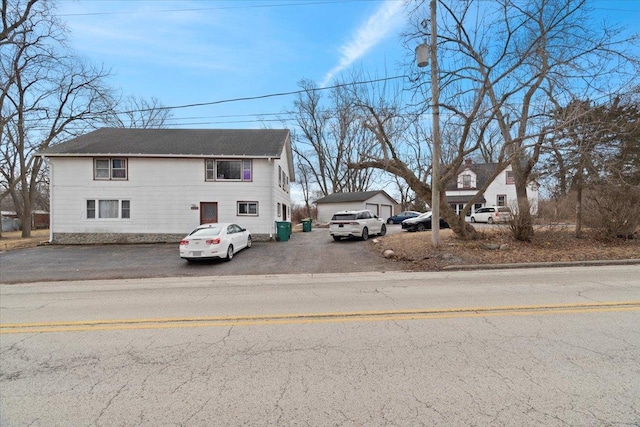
(594, 145)
(14, 14)
(139, 113)
(47, 95)
(503, 65)
(330, 138)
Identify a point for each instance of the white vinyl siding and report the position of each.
(164, 195)
(374, 204)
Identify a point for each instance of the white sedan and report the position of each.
(217, 240)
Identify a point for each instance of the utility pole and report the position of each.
(435, 114)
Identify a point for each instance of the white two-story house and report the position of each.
(155, 185)
(501, 191)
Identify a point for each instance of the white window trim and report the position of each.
(247, 203)
(513, 178)
(215, 170)
(111, 169)
(96, 209)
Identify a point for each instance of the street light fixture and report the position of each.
(425, 52)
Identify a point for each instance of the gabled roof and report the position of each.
(483, 172)
(175, 143)
(359, 196)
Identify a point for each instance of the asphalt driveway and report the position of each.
(310, 252)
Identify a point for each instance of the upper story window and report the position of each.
(108, 169)
(466, 181)
(510, 178)
(228, 170)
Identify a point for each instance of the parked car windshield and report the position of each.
(425, 215)
(343, 217)
(205, 232)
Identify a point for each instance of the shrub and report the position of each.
(613, 211)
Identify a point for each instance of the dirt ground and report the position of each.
(496, 246)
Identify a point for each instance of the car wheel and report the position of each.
(490, 220)
(420, 227)
(473, 219)
(383, 230)
(336, 238)
(248, 242)
(389, 221)
(229, 253)
(365, 233)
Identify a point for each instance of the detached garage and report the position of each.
(378, 202)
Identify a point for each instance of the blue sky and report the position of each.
(203, 51)
(200, 51)
(186, 52)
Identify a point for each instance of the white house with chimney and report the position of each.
(501, 191)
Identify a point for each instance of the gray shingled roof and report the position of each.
(174, 142)
(351, 197)
(482, 170)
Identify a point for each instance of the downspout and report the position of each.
(50, 199)
(272, 201)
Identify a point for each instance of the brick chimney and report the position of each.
(467, 162)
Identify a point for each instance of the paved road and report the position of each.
(549, 347)
(311, 252)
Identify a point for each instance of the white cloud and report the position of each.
(380, 25)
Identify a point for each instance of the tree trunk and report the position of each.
(523, 224)
(579, 205)
(25, 216)
(458, 225)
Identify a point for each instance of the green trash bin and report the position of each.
(283, 231)
(306, 224)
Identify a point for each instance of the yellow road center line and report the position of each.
(288, 319)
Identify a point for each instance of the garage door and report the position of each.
(373, 208)
(385, 211)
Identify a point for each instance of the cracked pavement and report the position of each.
(566, 366)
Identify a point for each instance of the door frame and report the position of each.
(202, 206)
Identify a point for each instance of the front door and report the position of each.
(208, 212)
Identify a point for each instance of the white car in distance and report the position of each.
(492, 214)
(359, 224)
(217, 240)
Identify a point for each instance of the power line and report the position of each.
(271, 95)
(235, 6)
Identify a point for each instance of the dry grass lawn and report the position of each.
(549, 244)
(12, 240)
